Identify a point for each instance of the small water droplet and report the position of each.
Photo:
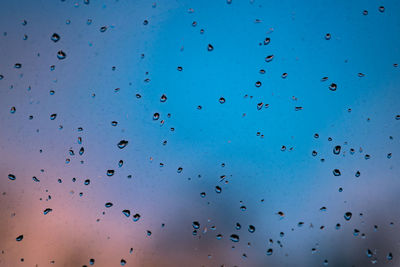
(123, 262)
(328, 36)
(156, 116)
(11, 177)
(46, 211)
(127, 213)
(122, 144)
(336, 172)
(136, 217)
(333, 87)
(110, 172)
(221, 100)
(103, 28)
(252, 229)
(55, 37)
(61, 55)
(210, 47)
(269, 58)
(218, 189)
(234, 238)
(336, 150)
(381, 9)
(108, 205)
(87, 182)
(163, 98)
(196, 225)
(53, 116)
(270, 251)
(348, 215)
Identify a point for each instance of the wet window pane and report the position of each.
(199, 133)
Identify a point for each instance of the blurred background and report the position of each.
(199, 133)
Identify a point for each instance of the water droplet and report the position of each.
(328, 36)
(252, 229)
(61, 55)
(122, 144)
(389, 256)
(234, 238)
(136, 217)
(381, 9)
(243, 208)
(114, 123)
(333, 87)
(365, 12)
(110, 172)
(53, 116)
(258, 84)
(369, 253)
(336, 150)
(120, 163)
(196, 225)
(11, 177)
(221, 100)
(269, 58)
(397, 117)
(336, 172)
(123, 262)
(219, 237)
(358, 174)
(270, 251)
(156, 116)
(348, 215)
(163, 98)
(12, 110)
(203, 194)
(210, 47)
(218, 189)
(108, 205)
(179, 68)
(148, 233)
(17, 65)
(127, 213)
(46, 211)
(19, 238)
(55, 37)
(238, 226)
(87, 182)
(91, 261)
(267, 41)
(389, 155)
(103, 28)
(35, 179)
(81, 151)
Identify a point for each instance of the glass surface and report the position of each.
(199, 133)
